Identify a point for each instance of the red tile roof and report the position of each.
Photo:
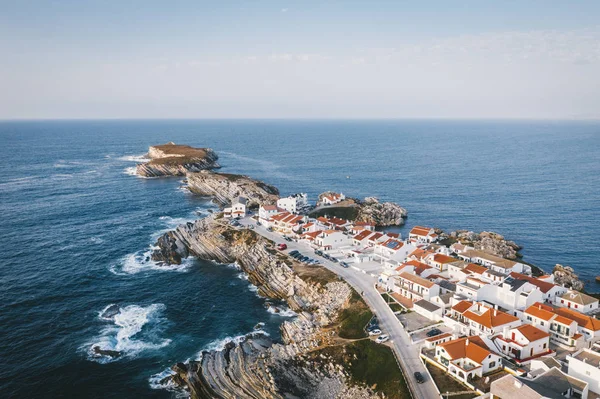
(469, 347)
(420, 231)
(416, 279)
(462, 306)
(491, 318)
(532, 333)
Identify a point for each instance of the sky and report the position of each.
(299, 59)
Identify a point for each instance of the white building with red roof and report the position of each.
(415, 287)
(332, 198)
(265, 212)
(523, 343)
(285, 222)
(293, 203)
(422, 234)
(332, 239)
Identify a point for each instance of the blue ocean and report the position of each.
(77, 226)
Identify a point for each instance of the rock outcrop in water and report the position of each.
(489, 242)
(565, 275)
(176, 160)
(224, 187)
(381, 213)
(256, 367)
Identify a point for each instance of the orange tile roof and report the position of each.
(419, 267)
(462, 306)
(563, 320)
(416, 279)
(312, 235)
(375, 236)
(441, 258)
(491, 318)
(584, 321)
(362, 235)
(544, 286)
(270, 207)
(392, 235)
(474, 268)
(540, 311)
(469, 347)
(532, 333)
(438, 337)
(420, 231)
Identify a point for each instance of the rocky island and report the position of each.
(369, 210)
(176, 160)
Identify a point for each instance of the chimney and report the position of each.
(495, 312)
(467, 342)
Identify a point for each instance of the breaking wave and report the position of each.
(132, 330)
(140, 261)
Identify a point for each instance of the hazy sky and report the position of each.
(303, 59)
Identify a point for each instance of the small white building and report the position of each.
(237, 208)
(466, 358)
(504, 266)
(293, 203)
(524, 342)
(266, 212)
(585, 365)
(330, 239)
(577, 300)
(332, 198)
(422, 234)
(414, 287)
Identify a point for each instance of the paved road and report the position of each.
(406, 352)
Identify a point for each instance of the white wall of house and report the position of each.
(584, 371)
(566, 303)
(333, 240)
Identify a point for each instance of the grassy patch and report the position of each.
(370, 364)
(316, 274)
(445, 383)
(392, 303)
(354, 318)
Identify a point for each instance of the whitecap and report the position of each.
(133, 329)
(97, 240)
(134, 158)
(141, 262)
(156, 381)
(282, 311)
(131, 171)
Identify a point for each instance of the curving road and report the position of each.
(406, 352)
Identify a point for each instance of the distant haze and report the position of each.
(304, 59)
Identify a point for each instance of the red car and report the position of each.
(281, 247)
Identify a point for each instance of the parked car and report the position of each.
(433, 332)
(375, 332)
(333, 259)
(419, 377)
(269, 229)
(297, 255)
(382, 338)
(294, 252)
(282, 247)
(304, 258)
(344, 264)
(258, 223)
(317, 252)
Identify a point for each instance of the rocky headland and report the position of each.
(176, 160)
(369, 210)
(565, 275)
(257, 367)
(487, 241)
(224, 187)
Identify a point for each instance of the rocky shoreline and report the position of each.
(176, 160)
(256, 367)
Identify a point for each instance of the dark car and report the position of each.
(294, 252)
(344, 264)
(434, 332)
(419, 377)
(317, 252)
(298, 255)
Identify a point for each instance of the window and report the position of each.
(528, 318)
(492, 364)
(545, 345)
(562, 301)
(541, 323)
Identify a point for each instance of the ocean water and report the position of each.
(77, 227)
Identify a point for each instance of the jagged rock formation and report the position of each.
(224, 187)
(176, 160)
(381, 214)
(489, 242)
(565, 275)
(257, 368)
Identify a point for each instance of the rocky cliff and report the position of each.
(256, 367)
(565, 275)
(224, 187)
(176, 160)
(381, 214)
(489, 242)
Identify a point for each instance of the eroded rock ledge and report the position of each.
(224, 187)
(256, 367)
(489, 242)
(176, 160)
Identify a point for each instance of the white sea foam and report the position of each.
(131, 171)
(282, 311)
(219, 344)
(133, 330)
(140, 261)
(134, 158)
(97, 240)
(156, 382)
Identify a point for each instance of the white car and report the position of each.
(374, 332)
(382, 338)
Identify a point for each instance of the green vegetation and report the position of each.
(445, 383)
(370, 364)
(353, 319)
(342, 212)
(315, 274)
(392, 303)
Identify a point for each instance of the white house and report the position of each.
(439, 261)
(585, 365)
(265, 212)
(577, 300)
(512, 294)
(285, 222)
(550, 384)
(392, 249)
(428, 309)
(422, 234)
(548, 288)
(237, 209)
(332, 198)
(414, 287)
(330, 239)
(474, 288)
(474, 318)
(563, 331)
(524, 342)
(496, 263)
(467, 357)
(294, 203)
